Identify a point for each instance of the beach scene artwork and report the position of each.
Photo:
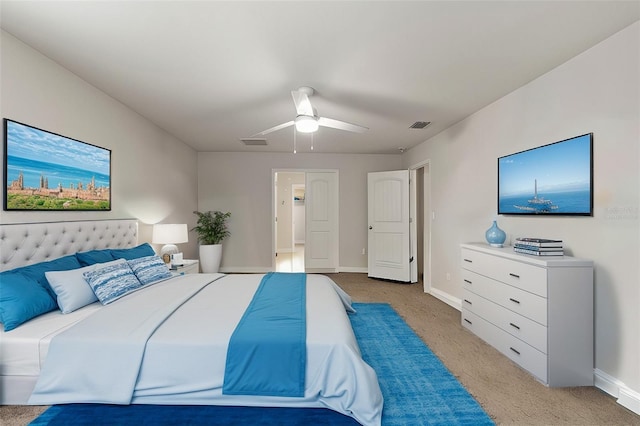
(552, 179)
(47, 171)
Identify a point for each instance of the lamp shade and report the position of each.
(170, 233)
(306, 124)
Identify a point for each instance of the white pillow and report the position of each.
(72, 290)
(110, 283)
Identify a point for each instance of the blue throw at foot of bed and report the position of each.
(267, 351)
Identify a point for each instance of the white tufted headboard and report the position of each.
(27, 243)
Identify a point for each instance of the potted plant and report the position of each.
(211, 228)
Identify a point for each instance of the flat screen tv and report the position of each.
(47, 171)
(553, 180)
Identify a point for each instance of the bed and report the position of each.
(184, 356)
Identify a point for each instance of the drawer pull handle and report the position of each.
(468, 302)
(514, 300)
(468, 282)
(468, 260)
(514, 350)
(466, 320)
(514, 326)
(514, 275)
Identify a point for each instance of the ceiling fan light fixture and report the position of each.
(306, 124)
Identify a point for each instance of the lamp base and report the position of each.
(167, 250)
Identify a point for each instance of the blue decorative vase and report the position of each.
(495, 236)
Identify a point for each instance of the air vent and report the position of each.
(254, 141)
(419, 124)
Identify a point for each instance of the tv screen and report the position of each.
(47, 171)
(554, 179)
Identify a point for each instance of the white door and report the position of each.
(388, 214)
(321, 212)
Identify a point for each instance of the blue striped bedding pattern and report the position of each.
(149, 269)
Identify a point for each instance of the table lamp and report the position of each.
(169, 234)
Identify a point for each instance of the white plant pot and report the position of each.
(210, 256)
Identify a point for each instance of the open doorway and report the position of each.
(421, 180)
(290, 221)
(321, 252)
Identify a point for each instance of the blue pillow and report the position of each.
(37, 270)
(112, 282)
(133, 253)
(21, 299)
(87, 258)
(149, 269)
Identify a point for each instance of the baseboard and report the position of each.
(245, 269)
(356, 269)
(626, 397)
(264, 269)
(450, 300)
(321, 270)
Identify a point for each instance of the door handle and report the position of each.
(370, 227)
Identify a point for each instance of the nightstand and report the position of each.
(191, 266)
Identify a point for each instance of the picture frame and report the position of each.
(47, 171)
(553, 180)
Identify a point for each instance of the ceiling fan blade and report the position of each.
(273, 129)
(302, 102)
(341, 125)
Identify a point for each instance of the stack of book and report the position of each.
(538, 247)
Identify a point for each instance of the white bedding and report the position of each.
(197, 335)
(24, 349)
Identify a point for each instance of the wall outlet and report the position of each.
(448, 276)
(364, 251)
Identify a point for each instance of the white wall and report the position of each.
(597, 91)
(241, 183)
(153, 173)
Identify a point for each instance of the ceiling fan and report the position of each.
(307, 120)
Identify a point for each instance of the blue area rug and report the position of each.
(417, 390)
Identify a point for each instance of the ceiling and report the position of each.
(211, 73)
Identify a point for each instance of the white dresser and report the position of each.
(538, 311)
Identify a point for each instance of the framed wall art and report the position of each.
(47, 171)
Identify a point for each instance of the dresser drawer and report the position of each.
(529, 358)
(518, 326)
(527, 277)
(523, 303)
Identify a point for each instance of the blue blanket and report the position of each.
(267, 352)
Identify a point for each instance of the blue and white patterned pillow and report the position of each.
(112, 282)
(149, 269)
